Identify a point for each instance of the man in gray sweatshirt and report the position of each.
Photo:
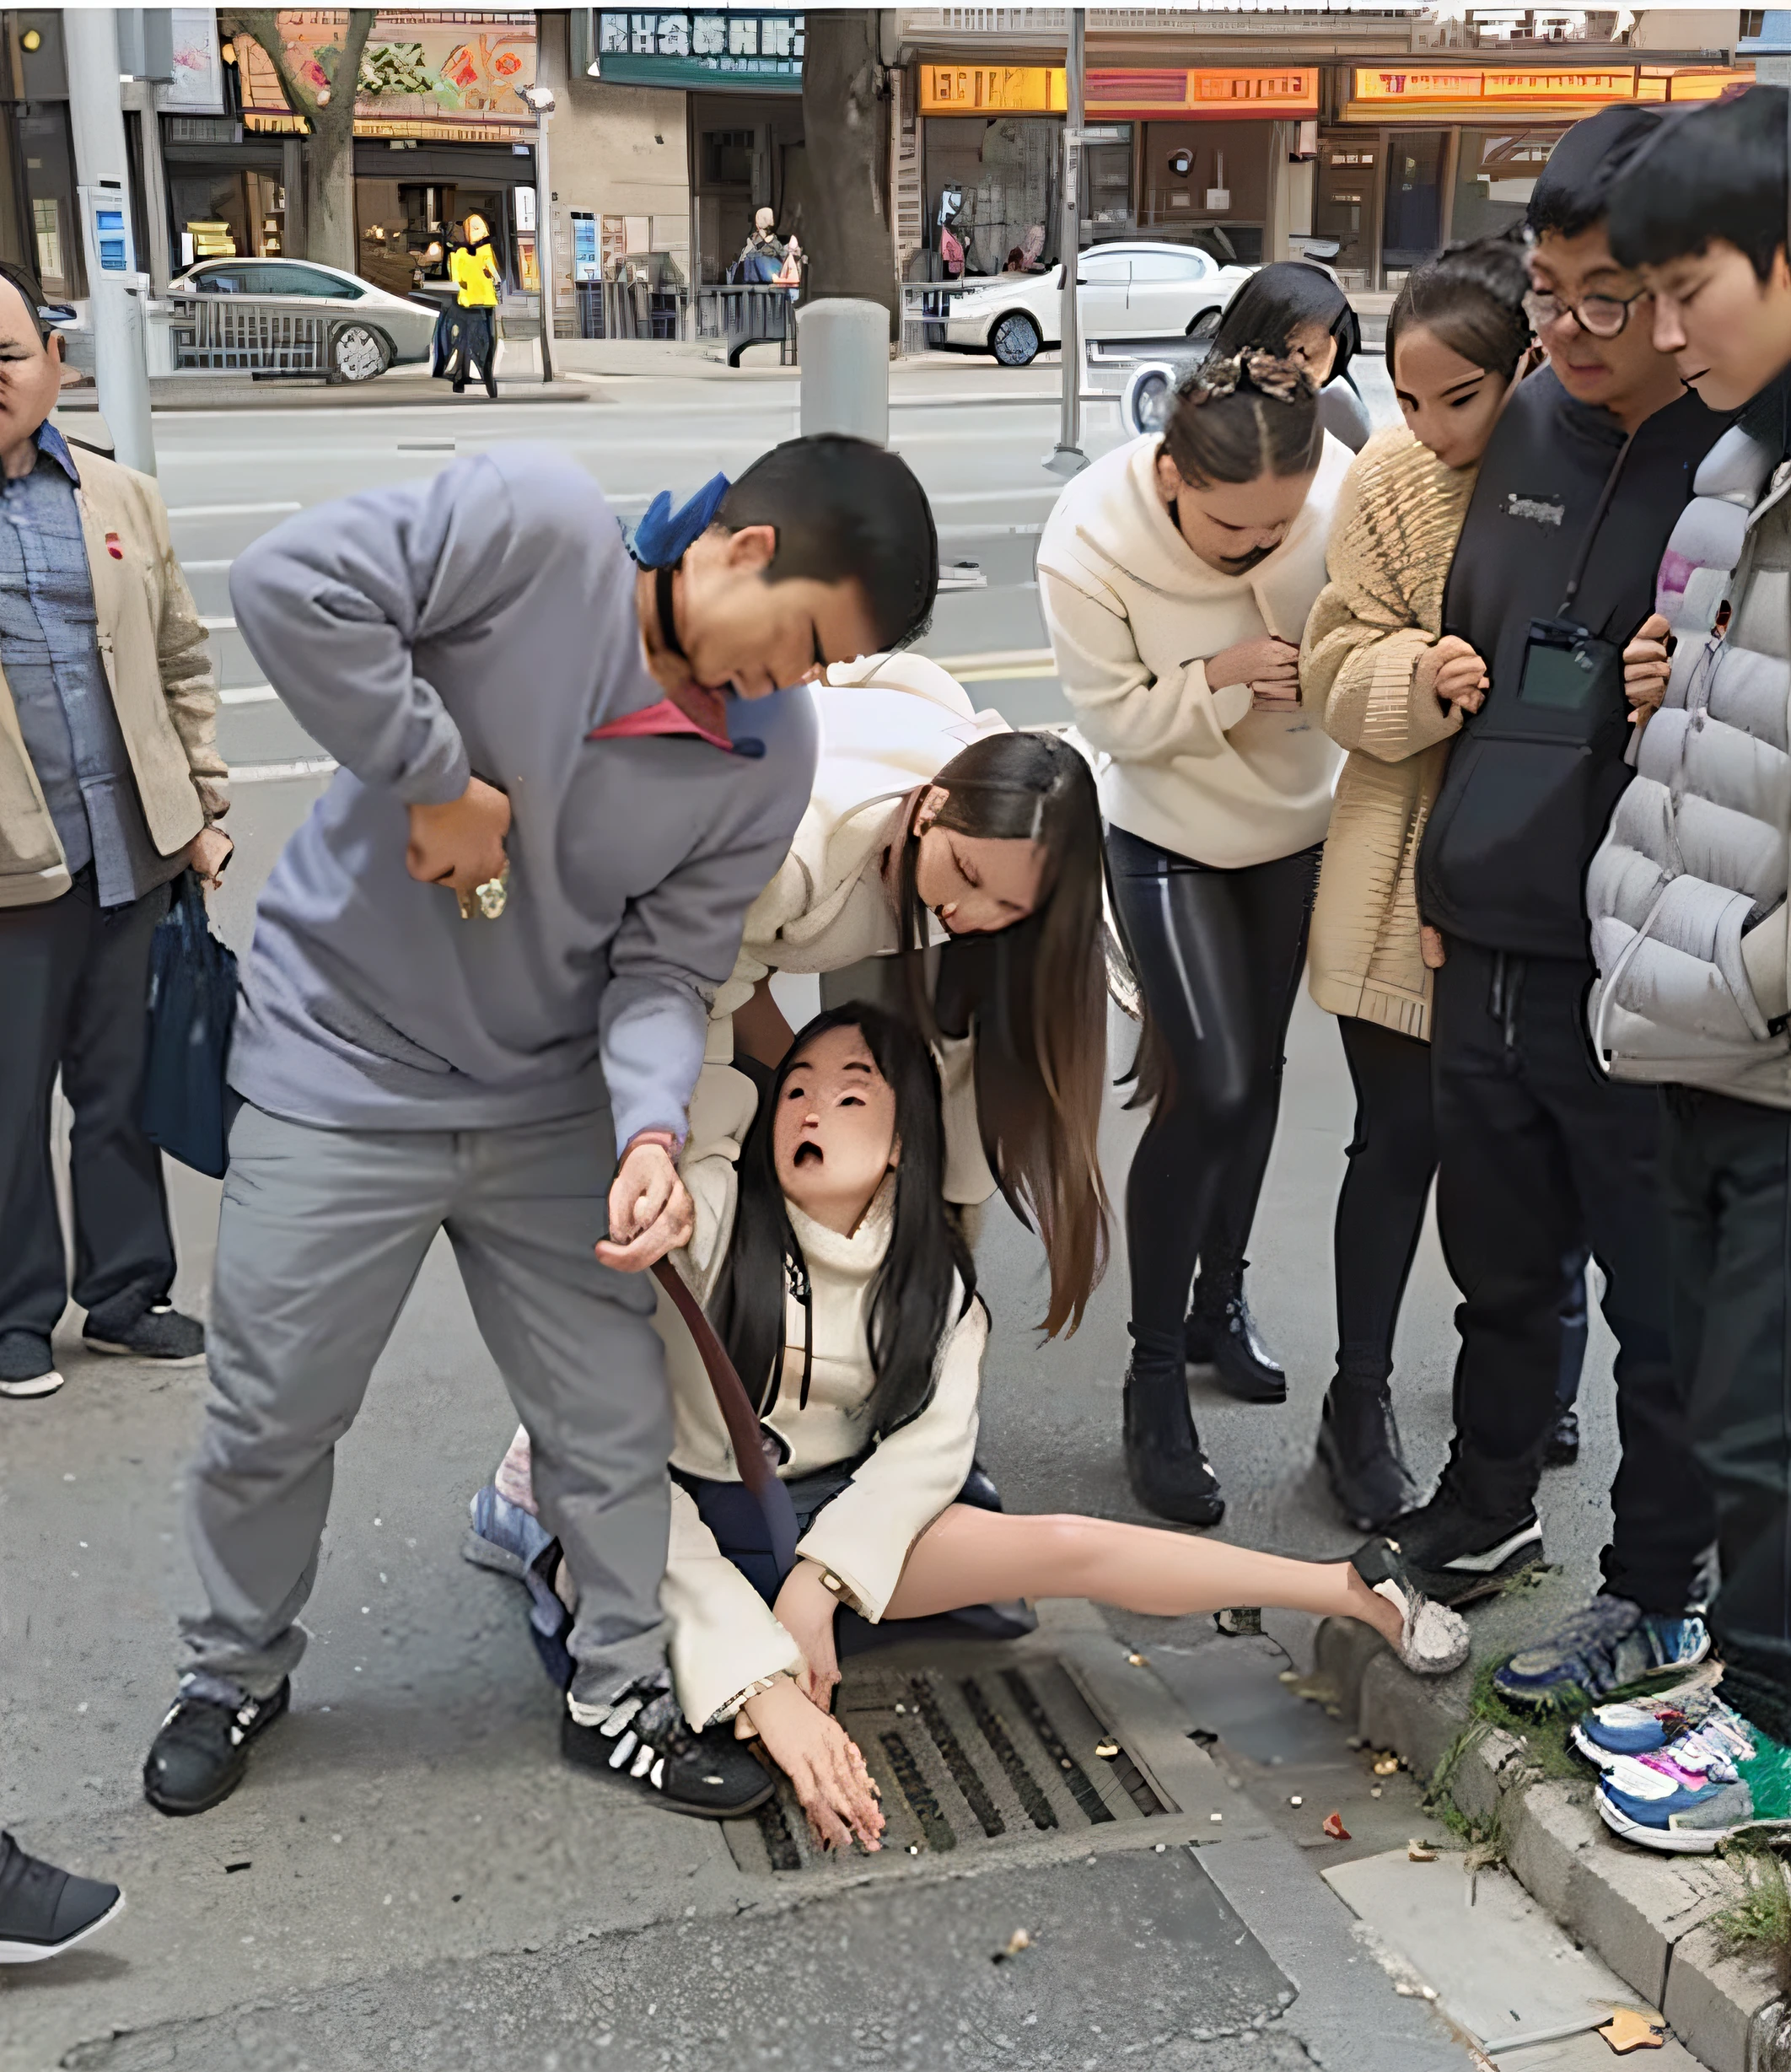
(480, 975)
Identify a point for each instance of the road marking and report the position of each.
(282, 773)
(207, 568)
(1007, 661)
(1006, 676)
(218, 626)
(248, 694)
(231, 510)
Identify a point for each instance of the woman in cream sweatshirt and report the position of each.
(1176, 575)
(1381, 678)
(848, 1302)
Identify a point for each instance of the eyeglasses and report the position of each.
(1600, 316)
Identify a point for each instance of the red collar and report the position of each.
(693, 711)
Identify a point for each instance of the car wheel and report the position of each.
(1205, 327)
(357, 354)
(1015, 340)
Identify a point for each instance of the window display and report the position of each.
(992, 188)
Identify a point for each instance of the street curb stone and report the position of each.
(1649, 1918)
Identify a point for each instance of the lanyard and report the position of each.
(1586, 544)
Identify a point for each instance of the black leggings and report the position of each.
(1380, 1207)
(1219, 955)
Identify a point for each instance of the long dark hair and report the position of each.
(911, 1300)
(1277, 300)
(1036, 998)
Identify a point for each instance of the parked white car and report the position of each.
(1124, 291)
(369, 329)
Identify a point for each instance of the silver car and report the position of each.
(294, 315)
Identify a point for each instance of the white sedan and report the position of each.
(335, 322)
(1125, 291)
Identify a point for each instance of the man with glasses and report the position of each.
(1542, 1158)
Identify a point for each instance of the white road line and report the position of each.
(282, 773)
(230, 510)
(208, 567)
(218, 626)
(249, 694)
(1017, 658)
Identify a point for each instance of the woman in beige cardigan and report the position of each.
(1381, 678)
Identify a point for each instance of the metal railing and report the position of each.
(926, 309)
(631, 309)
(217, 332)
(749, 316)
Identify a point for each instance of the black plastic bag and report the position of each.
(192, 1010)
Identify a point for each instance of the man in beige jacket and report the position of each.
(110, 785)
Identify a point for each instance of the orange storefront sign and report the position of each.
(992, 89)
(1379, 91)
(1229, 94)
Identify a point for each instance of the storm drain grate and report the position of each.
(968, 1755)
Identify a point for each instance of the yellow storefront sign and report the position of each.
(992, 89)
(1232, 93)
(1379, 90)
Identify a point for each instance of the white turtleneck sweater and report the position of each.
(1133, 614)
(726, 1643)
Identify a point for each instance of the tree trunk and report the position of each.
(851, 246)
(328, 229)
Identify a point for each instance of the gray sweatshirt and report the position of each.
(484, 621)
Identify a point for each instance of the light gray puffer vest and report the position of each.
(1695, 855)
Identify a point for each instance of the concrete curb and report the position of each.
(1648, 1917)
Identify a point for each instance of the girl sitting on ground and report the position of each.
(839, 1283)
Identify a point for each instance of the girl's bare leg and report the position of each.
(968, 1557)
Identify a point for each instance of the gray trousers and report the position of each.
(321, 1235)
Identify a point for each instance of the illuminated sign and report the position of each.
(1426, 88)
(992, 89)
(1222, 95)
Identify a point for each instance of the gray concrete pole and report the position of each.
(544, 240)
(96, 115)
(843, 351)
(1068, 458)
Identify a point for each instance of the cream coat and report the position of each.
(158, 667)
(1133, 613)
(726, 1643)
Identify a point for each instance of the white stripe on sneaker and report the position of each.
(1496, 1557)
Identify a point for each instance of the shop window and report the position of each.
(727, 157)
(46, 220)
(1414, 202)
(991, 190)
(1496, 174)
(1106, 188)
(50, 189)
(1344, 207)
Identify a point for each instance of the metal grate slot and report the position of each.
(918, 1793)
(1093, 1806)
(1132, 1781)
(1039, 1809)
(780, 1844)
(964, 1773)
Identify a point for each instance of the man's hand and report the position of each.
(1454, 674)
(650, 1213)
(1647, 663)
(824, 1763)
(1266, 664)
(207, 854)
(459, 845)
(804, 1609)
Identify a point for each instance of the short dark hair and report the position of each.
(1473, 299)
(1572, 191)
(31, 292)
(1276, 299)
(845, 510)
(1241, 428)
(1717, 171)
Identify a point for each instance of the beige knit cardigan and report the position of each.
(1397, 521)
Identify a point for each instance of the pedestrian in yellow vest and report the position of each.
(473, 269)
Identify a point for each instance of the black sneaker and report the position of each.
(645, 1738)
(202, 1749)
(159, 1333)
(1458, 1554)
(1562, 1448)
(45, 1911)
(1224, 1336)
(26, 1365)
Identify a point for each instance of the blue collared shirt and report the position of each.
(50, 652)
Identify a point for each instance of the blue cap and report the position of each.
(663, 535)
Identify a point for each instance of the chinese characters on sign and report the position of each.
(1222, 95)
(1564, 89)
(683, 41)
(422, 74)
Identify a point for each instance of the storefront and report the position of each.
(39, 224)
(1191, 156)
(742, 74)
(441, 133)
(1418, 158)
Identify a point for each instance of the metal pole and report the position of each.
(544, 240)
(1068, 458)
(96, 115)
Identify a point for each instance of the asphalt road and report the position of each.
(410, 1872)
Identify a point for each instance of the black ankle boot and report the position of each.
(1359, 1448)
(1221, 1333)
(1168, 1473)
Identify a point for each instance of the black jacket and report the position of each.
(1522, 808)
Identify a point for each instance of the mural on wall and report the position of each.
(421, 70)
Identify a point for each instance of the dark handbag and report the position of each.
(192, 1010)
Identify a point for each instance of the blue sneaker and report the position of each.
(1590, 1653)
(1638, 1726)
(1689, 1797)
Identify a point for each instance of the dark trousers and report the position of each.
(476, 346)
(74, 984)
(1727, 1163)
(1219, 955)
(1392, 1156)
(1541, 1157)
